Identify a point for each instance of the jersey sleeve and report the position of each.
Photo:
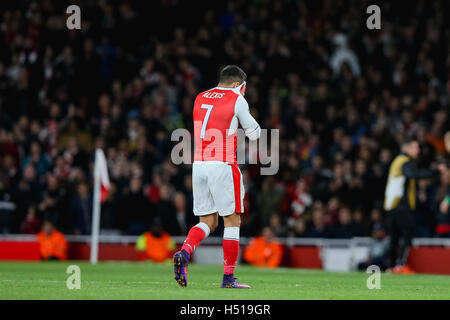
(251, 127)
(410, 171)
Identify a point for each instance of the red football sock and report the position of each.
(230, 249)
(195, 236)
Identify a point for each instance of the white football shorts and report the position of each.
(217, 187)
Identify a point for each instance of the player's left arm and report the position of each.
(248, 123)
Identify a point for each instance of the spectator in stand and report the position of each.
(269, 200)
(345, 229)
(80, 209)
(299, 228)
(185, 217)
(53, 244)
(301, 199)
(343, 54)
(376, 216)
(40, 161)
(52, 197)
(74, 155)
(30, 184)
(318, 228)
(264, 251)
(31, 224)
(277, 226)
(332, 211)
(135, 221)
(8, 148)
(167, 211)
(7, 205)
(359, 227)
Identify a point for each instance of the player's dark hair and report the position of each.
(409, 139)
(232, 73)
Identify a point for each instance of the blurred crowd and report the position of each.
(342, 96)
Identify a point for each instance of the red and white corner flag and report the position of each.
(101, 188)
(102, 174)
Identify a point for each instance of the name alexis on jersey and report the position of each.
(213, 95)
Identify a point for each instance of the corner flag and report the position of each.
(101, 187)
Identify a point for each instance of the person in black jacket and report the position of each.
(400, 201)
(167, 212)
(135, 211)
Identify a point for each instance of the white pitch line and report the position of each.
(93, 281)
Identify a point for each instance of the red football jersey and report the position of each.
(217, 113)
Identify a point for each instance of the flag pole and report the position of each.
(95, 226)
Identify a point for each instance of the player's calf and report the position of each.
(195, 236)
(231, 252)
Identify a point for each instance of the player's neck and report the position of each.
(224, 85)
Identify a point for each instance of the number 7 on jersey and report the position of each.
(209, 107)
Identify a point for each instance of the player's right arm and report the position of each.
(248, 123)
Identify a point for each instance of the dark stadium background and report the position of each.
(129, 76)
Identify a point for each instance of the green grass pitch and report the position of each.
(144, 280)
